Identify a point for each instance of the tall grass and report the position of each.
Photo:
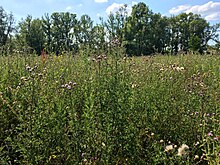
(109, 110)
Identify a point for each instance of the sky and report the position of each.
(210, 10)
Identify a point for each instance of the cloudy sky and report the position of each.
(210, 10)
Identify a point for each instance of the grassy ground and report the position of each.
(110, 110)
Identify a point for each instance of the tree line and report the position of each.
(142, 32)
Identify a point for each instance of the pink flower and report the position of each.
(210, 134)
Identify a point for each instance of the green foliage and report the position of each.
(109, 109)
(141, 33)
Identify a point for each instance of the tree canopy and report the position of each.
(143, 32)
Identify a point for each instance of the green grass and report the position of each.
(109, 110)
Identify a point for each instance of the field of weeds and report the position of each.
(110, 110)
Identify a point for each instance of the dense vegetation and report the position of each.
(86, 101)
(109, 110)
(141, 33)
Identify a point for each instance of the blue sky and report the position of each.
(210, 10)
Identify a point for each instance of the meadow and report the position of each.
(109, 109)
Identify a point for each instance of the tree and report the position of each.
(159, 33)
(63, 26)
(138, 32)
(198, 27)
(31, 34)
(85, 26)
(47, 28)
(6, 26)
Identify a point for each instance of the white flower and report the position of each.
(169, 148)
(196, 157)
(182, 150)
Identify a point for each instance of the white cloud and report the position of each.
(101, 1)
(134, 3)
(98, 14)
(179, 9)
(114, 7)
(68, 8)
(213, 17)
(210, 10)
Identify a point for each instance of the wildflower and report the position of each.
(161, 141)
(69, 87)
(152, 134)
(103, 144)
(179, 68)
(196, 113)
(83, 154)
(210, 134)
(28, 67)
(169, 148)
(197, 143)
(182, 150)
(133, 85)
(215, 138)
(196, 157)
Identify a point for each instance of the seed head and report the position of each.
(182, 150)
(169, 148)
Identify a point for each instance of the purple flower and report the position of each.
(215, 138)
(210, 134)
(83, 154)
(207, 114)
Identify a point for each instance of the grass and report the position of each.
(109, 110)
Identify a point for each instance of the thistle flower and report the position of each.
(83, 154)
(215, 138)
(182, 150)
(210, 134)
